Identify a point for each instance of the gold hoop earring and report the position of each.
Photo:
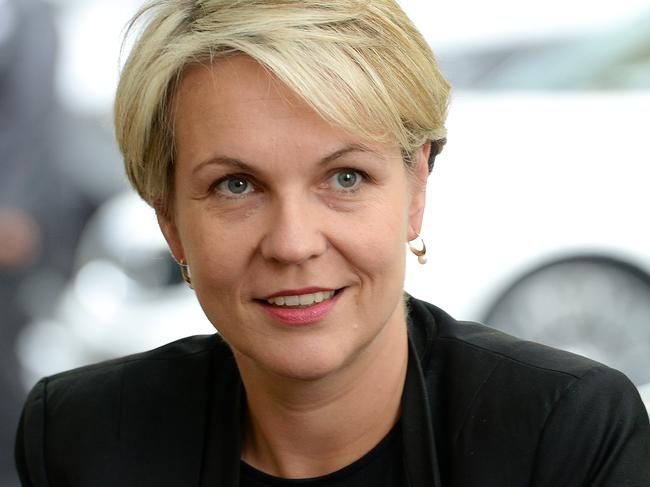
(185, 272)
(420, 251)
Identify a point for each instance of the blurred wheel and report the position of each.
(591, 305)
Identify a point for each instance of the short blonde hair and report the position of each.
(361, 64)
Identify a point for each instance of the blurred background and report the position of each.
(537, 220)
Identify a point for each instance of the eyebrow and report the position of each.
(244, 166)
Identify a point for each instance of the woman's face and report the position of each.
(294, 229)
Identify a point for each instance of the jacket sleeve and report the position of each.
(30, 440)
(597, 435)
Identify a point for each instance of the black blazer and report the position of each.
(480, 409)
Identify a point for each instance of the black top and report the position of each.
(380, 467)
(480, 409)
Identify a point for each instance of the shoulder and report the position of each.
(164, 364)
(492, 363)
(513, 407)
(475, 347)
(149, 375)
(99, 420)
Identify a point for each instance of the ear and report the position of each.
(169, 230)
(419, 175)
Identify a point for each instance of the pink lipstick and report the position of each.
(301, 307)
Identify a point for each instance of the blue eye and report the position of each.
(347, 179)
(235, 185)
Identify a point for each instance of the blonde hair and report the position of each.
(361, 64)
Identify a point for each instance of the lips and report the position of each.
(301, 307)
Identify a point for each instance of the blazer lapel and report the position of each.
(420, 455)
(221, 454)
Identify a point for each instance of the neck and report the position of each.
(303, 429)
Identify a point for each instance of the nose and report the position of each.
(295, 231)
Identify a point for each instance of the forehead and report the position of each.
(235, 105)
(240, 90)
(236, 81)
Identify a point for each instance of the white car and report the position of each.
(538, 208)
(539, 224)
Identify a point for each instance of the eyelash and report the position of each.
(214, 188)
(364, 179)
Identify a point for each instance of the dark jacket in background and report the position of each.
(480, 409)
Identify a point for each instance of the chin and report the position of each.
(306, 362)
(307, 374)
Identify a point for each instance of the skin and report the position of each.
(320, 395)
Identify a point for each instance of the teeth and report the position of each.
(301, 300)
(292, 300)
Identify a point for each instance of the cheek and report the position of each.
(220, 274)
(374, 242)
(217, 256)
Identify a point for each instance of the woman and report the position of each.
(285, 146)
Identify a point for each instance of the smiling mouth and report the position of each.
(301, 300)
